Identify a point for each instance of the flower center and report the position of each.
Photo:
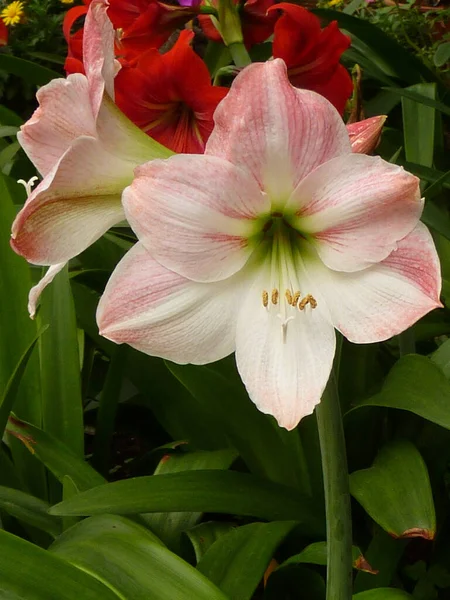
(284, 294)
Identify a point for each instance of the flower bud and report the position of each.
(365, 135)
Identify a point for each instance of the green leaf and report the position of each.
(267, 449)
(60, 372)
(419, 125)
(30, 71)
(297, 582)
(9, 395)
(416, 384)
(203, 491)
(384, 554)
(434, 217)
(29, 509)
(106, 414)
(237, 561)
(17, 333)
(9, 117)
(383, 594)
(59, 459)
(28, 572)
(420, 98)
(442, 54)
(316, 554)
(133, 561)
(394, 57)
(168, 526)
(441, 358)
(396, 492)
(203, 535)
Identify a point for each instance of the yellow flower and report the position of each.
(12, 13)
(334, 3)
(67, 1)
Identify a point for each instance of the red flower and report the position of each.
(170, 96)
(74, 60)
(257, 24)
(3, 34)
(139, 24)
(144, 24)
(312, 54)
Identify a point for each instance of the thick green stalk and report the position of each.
(239, 54)
(337, 495)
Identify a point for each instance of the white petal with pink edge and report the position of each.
(279, 133)
(355, 208)
(374, 304)
(196, 214)
(163, 314)
(98, 53)
(36, 291)
(73, 206)
(285, 369)
(64, 114)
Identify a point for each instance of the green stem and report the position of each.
(239, 54)
(337, 496)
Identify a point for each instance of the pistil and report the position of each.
(285, 292)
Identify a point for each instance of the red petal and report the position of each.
(312, 54)
(170, 96)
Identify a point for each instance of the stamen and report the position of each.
(28, 185)
(288, 295)
(308, 299)
(275, 295)
(265, 298)
(296, 298)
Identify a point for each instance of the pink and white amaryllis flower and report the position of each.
(86, 150)
(264, 245)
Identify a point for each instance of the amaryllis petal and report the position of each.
(37, 290)
(195, 214)
(365, 135)
(284, 370)
(73, 206)
(277, 132)
(163, 314)
(98, 53)
(374, 304)
(356, 208)
(64, 114)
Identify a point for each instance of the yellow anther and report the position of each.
(288, 295)
(308, 299)
(275, 295)
(296, 298)
(265, 298)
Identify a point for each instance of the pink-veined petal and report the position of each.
(73, 206)
(98, 53)
(163, 314)
(356, 208)
(64, 113)
(279, 133)
(36, 291)
(285, 372)
(365, 135)
(195, 214)
(385, 299)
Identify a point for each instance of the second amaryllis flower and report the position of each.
(269, 241)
